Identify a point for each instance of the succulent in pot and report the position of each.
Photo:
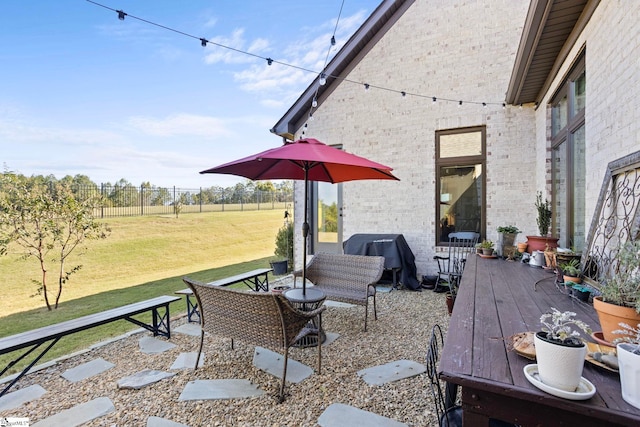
(487, 247)
(628, 351)
(571, 271)
(560, 350)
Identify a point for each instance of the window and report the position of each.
(568, 159)
(460, 195)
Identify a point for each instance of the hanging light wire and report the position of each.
(203, 41)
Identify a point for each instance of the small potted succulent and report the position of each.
(560, 351)
(628, 350)
(487, 247)
(571, 271)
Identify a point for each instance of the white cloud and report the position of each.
(181, 124)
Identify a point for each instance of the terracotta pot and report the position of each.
(450, 301)
(559, 365)
(539, 243)
(487, 251)
(572, 279)
(610, 316)
(522, 247)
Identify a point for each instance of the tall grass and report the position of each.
(143, 257)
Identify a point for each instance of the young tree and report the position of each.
(47, 223)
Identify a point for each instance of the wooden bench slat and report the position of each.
(240, 277)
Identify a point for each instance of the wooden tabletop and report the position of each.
(497, 299)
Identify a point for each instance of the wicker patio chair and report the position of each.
(261, 319)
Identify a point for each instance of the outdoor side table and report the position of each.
(309, 301)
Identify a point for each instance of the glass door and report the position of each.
(327, 218)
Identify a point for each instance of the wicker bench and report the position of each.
(256, 318)
(346, 278)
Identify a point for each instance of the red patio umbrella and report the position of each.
(309, 160)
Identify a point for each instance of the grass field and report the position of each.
(142, 258)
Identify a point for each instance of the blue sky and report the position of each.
(82, 92)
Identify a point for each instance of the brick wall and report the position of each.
(459, 49)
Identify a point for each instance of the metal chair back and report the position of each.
(450, 268)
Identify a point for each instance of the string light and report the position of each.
(314, 103)
(323, 76)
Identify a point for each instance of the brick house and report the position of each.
(477, 105)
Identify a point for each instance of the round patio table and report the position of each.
(310, 300)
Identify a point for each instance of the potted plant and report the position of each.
(571, 271)
(543, 220)
(560, 351)
(620, 299)
(507, 239)
(284, 250)
(581, 292)
(628, 351)
(487, 247)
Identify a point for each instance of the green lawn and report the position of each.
(143, 257)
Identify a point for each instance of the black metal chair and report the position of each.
(450, 267)
(448, 412)
(447, 417)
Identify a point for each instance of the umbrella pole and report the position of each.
(305, 229)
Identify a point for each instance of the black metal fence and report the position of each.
(135, 201)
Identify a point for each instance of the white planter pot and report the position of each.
(559, 366)
(629, 373)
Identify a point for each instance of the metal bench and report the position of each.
(257, 280)
(36, 337)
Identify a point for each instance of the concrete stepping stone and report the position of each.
(187, 361)
(143, 378)
(330, 303)
(19, 397)
(392, 371)
(86, 370)
(192, 329)
(331, 337)
(219, 389)
(79, 414)
(273, 363)
(151, 345)
(163, 422)
(338, 415)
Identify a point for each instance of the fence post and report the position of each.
(141, 200)
(200, 199)
(103, 199)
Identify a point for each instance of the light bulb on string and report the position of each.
(314, 103)
(434, 99)
(203, 42)
(366, 86)
(459, 103)
(121, 15)
(484, 104)
(323, 79)
(333, 40)
(404, 94)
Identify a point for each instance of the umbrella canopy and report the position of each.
(289, 161)
(309, 160)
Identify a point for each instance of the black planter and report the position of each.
(280, 267)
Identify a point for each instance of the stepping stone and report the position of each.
(143, 378)
(273, 363)
(385, 289)
(331, 337)
(192, 329)
(86, 370)
(219, 389)
(162, 422)
(187, 361)
(79, 414)
(330, 303)
(150, 345)
(392, 371)
(17, 398)
(338, 415)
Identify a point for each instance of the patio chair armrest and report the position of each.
(444, 258)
